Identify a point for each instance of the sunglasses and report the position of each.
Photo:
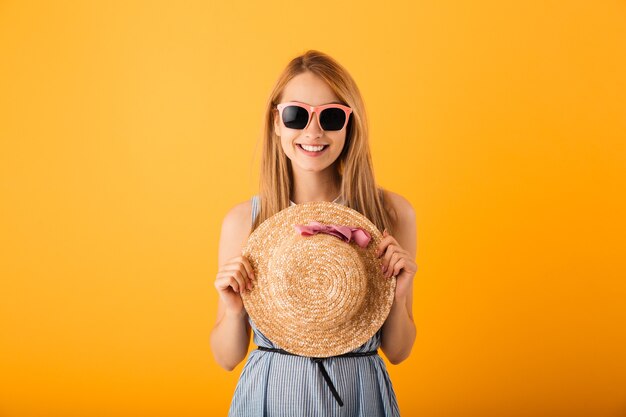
(296, 115)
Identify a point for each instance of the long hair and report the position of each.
(354, 164)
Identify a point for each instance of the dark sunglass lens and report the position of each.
(332, 119)
(295, 117)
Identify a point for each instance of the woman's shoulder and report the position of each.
(398, 207)
(239, 217)
(240, 209)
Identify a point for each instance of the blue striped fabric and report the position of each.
(276, 385)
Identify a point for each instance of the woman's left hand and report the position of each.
(396, 261)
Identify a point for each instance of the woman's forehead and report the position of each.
(310, 89)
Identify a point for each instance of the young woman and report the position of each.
(313, 153)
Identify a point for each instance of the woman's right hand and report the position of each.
(234, 276)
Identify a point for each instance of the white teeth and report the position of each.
(312, 148)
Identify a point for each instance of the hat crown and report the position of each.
(332, 281)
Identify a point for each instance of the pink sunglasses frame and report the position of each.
(314, 109)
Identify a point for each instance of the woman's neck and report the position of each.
(315, 186)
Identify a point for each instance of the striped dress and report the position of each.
(273, 384)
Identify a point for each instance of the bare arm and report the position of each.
(230, 335)
(398, 334)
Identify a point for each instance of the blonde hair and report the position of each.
(354, 164)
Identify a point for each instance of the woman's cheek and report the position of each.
(288, 146)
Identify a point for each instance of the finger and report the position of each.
(398, 266)
(247, 281)
(382, 245)
(248, 266)
(239, 275)
(395, 257)
(384, 242)
(241, 281)
(393, 239)
(391, 250)
(234, 284)
(223, 283)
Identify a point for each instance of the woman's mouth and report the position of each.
(312, 150)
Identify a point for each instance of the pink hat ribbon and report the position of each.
(345, 233)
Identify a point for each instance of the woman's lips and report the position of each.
(309, 153)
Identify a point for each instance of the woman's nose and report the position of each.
(314, 126)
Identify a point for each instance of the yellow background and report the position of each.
(128, 129)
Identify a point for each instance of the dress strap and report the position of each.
(255, 206)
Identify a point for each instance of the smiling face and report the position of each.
(310, 89)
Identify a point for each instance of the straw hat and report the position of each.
(318, 293)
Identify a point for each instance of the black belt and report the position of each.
(321, 366)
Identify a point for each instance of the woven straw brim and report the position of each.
(317, 295)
